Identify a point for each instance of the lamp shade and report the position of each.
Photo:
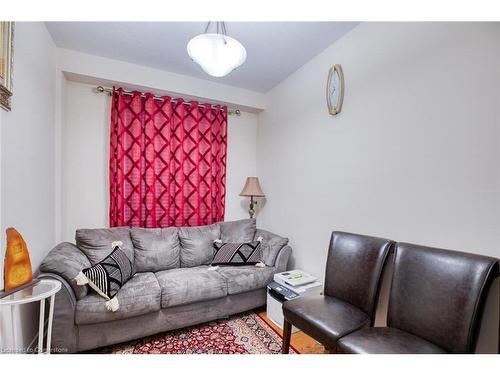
(252, 188)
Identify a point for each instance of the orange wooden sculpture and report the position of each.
(17, 261)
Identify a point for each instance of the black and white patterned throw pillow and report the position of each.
(237, 254)
(108, 276)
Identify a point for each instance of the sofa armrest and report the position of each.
(64, 330)
(67, 260)
(281, 262)
(271, 245)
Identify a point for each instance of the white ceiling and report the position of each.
(274, 49)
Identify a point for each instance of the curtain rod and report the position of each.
(109, 90)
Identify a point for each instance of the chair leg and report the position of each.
(287, 333)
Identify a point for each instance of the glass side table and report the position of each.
(38, 293)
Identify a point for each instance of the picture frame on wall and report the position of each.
(6, 63)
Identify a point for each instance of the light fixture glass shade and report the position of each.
(217, 54)
(252, 188)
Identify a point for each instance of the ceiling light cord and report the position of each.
(220, 28)
(224, 32)
(206, 28)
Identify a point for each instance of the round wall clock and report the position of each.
(335, 89)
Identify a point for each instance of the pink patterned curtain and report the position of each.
(167, 163)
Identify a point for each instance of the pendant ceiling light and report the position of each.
(216, 53)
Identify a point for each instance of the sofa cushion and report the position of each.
(242, 279)
(155, 249)
(197, 244)
(139, 296)
(237, 231)
(271, 245)
(186, 285)
(96, 243)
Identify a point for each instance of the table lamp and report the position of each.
(252, 189)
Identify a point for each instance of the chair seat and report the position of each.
(324, 318)
(385, 340)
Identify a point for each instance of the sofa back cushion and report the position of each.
(237, 231)
(96, 243)
(196, 244)
(155, 249)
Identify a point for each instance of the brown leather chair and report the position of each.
(435, 304)
(353, 272)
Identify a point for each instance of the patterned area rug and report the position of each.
(245, 333)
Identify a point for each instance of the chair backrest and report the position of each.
(439, 294)
(354, 268)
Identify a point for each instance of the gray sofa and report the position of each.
(173, 287)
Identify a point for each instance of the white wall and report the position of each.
(241, 162)
(414, 155)
(85, 155)
(27, 158)
(85, 138)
